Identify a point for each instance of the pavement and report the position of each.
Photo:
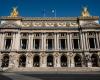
(50, 76)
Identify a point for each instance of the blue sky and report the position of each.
(35, 8)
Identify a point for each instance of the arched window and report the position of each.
(5, 61)
(63, 61)
(22, 61)
(36, 61)
(50, 61)
(94, 60)
(78, 61)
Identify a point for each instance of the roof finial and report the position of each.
(85, 12)
(14, 12)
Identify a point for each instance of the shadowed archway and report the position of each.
(78, 61)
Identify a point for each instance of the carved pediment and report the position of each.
(91, 24)
(9, 25)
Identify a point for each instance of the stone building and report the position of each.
(49, 42)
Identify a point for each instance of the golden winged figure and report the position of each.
(85, 12)
(14, 12)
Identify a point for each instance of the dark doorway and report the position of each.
(22, 61)
(50, 61)
(5, 61)
(36, 61)
(94, 59)
(63, 61)
(78, 61)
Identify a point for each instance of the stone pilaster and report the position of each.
(72, 63)
(13, 42)
(68, 41)
(29, 60)
(97, 41)
(29, 42)
(43, 59)
(86, 41)
(17, 41)
(44, 42)
(2, 41)
(57, 42)
(56, 59)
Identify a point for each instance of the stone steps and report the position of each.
(52, 69)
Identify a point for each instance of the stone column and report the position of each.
(13, 46)
(29, 42)
(57, 41)
(17, 41)
(97, 40)
(43, 59)
(86, 41)
(2, 41)
(68, 41)
(29, 60)
(81, 41)
(44, 42)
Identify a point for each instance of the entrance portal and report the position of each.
(63, 61)
(78, 61)
(36, 61)
(94, 60)
(22, 61)
(50, 61)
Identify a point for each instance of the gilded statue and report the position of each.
(85, 12)
(14, 12)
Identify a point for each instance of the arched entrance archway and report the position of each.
(36, 61)
(50, 61)
(5, 61)
(63, 61)
(94, 60)
(78, 61)
(22, 61)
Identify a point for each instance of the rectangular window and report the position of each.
(76, 43)
(7, 43)
(24, 44)
(37, 43)
(50, 44)
(62, 44)
(92, 42)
